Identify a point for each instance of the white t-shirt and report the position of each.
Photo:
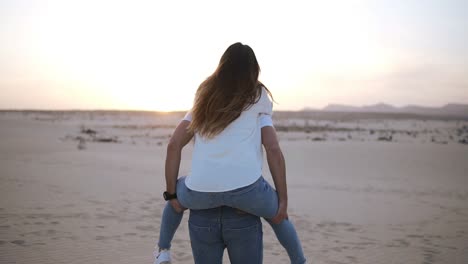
(233, 158)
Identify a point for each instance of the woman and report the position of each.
(230, 120)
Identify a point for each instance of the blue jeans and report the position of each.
(213, 230)
(259, 199)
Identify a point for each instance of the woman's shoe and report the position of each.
(163, 257)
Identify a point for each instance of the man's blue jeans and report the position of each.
(213, 230)
(259, 199)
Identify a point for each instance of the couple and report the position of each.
(230, 120)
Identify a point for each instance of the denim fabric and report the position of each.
(259, 199)
(169, 223)
(213, 230)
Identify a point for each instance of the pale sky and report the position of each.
(152, 55)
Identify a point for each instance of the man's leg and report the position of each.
(243, 236)
(262, 200)
(205, 236)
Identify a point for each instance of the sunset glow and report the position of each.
(152, 55)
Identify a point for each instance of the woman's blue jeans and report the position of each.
(213, 230)
(258, 199)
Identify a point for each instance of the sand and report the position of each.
(85, 187)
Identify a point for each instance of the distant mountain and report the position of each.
(341, 108)
(380, 108)
(310, 109)
(377, 108)
(448, 109)
(461, 109)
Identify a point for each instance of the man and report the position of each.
(213, 230)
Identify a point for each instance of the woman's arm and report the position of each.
(178, 140)
(277, 166)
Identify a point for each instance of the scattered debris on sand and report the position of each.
(88, 131)
(81, 143)
(385, 138)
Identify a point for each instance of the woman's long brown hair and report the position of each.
(231, 89)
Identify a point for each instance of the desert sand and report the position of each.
(85, 187)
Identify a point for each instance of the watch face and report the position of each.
(168, 196)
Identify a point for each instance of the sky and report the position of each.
(152, 55)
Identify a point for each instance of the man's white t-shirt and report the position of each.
(233, 158)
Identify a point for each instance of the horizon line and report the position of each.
(304, 108)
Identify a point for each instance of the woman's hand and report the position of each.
(177, 206)
(281, 214)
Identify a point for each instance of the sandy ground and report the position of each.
(373, 190)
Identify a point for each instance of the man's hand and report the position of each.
(177, 206)
(281, 214)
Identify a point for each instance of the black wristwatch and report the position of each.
(167, 196)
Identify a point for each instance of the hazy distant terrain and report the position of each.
(460, 110)
(136, 127)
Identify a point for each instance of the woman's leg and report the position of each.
(287, 236)
(169, 223)
(190, 199)
(197, 200)
(261, 199)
